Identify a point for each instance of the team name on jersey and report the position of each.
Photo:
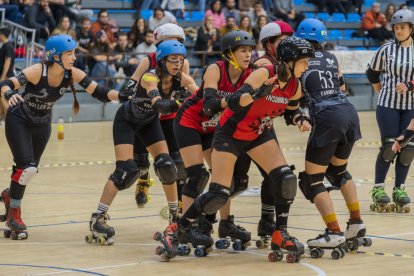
(328, 92)
(277, 99)
(223, 94)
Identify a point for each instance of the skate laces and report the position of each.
(103, 218)
(399, 193)
(378, 192)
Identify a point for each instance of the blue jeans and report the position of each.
(149, 4)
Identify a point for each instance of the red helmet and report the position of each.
(285, 28)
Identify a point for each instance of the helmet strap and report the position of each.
(232, 60)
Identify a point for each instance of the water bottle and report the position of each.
(60, 129)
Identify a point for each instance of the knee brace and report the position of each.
(284, 183)
(176, 156)
(24, 174)
(197, 180)
(125, 174)
(385, 150)
(311, 184)
(212, 201)
(337, 175)
(142, 161)
(165, 169)
(406, 155)
(239, 185)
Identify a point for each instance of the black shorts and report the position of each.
(186, 137)
(335, 124)
(224, 141)
(124, 130)
(323, 155)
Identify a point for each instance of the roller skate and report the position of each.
(194, 237)
(381, 200)
(205, 224)
(265, 229)
(329, 240)
(169, 241)
(141, 191)
(238, 235)
(283, 242)
(101, 233)
(16, 229)
(401, 200)
(355, 235)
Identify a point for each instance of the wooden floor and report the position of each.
(59, 201)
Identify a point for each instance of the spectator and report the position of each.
(230, 10)
(285, 10)
(256, 11)
(12, 11)
(75, 7)
(246, 5)
(261, 21)
(102, 61)
(137, 33)
(85, 42)
(6, 64)
(160, 17)
(374, 22)
(125, 60)
(148, 4)
(331, 5)
(208, 40)
(176, 7)
(40, 17)
(389, 11)
(147, 46)
(218, 15)
(403, 7)
(245, 24)
(63, 27)
(230, 26)
(102, 23)
(59, 10)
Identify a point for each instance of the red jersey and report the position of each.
(251, 121)
(191, 112)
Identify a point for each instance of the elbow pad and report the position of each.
(85, 82)
(101, 94)
(233, 101)
(127, 91)
(165, 106)
(8, 83)
(212, 106)
(373, 76)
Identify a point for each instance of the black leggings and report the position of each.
(27, 143)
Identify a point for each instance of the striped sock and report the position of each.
(173, 205)
(102, 208)
(354, 211)
(332, 222)
(268, 211)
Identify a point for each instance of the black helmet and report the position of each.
(237, 38)
(293, 48)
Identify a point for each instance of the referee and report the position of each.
(395, 106)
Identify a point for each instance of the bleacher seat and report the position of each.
(334, 34)
(338, 17)
(354, 17)
(146, 14)
(323, 16)
(197, 16)
(299, 2)
(309, 14)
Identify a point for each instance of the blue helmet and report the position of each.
(170, 47)
(312, 29)
(56, 45)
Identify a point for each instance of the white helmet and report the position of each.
(269, 30)
(168, 30)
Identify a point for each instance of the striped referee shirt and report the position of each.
(397, 65)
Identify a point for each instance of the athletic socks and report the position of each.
(354, 211)
(102, 208)
(331, 222)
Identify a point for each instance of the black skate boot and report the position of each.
(265, 229)
(101, 232)
(283, 242)
(238, 235)
(169, 240)
(16, 227)
(198, 240)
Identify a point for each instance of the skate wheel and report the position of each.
(392, 207)
(336, 254)
(7, 233)
(398, 209)
(366, 242)
(14, 235)
(165, 258)
(321, 252)
(315, 253)
(183, 250)
(222, 244)
(188, 251)
(272, 257)
(343, 252)
(101, 240)
(407, 209)
(290, 258)
(237, 246)
(89, 238)
(159, 250)
(199, 252)
(372, 207)
(157, 236)
(260, 244)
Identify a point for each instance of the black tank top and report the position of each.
(320, 83)
(40, 98)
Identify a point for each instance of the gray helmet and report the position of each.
(236, 38)
(402, 16)
(269, 30)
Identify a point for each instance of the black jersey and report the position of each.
(320, 83)
(40, 98)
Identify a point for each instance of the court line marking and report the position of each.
(65, 270)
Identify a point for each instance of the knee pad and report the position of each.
(385, 150)
(197, 180)
(212, 201)
(142, 161)
(337, 175)
(176, 156)
(406, 155)
(284, 183)
(125, 174)
(24, 174)
(239, 185)
(165, 169)
(311, 184)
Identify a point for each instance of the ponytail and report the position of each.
(72, 87)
